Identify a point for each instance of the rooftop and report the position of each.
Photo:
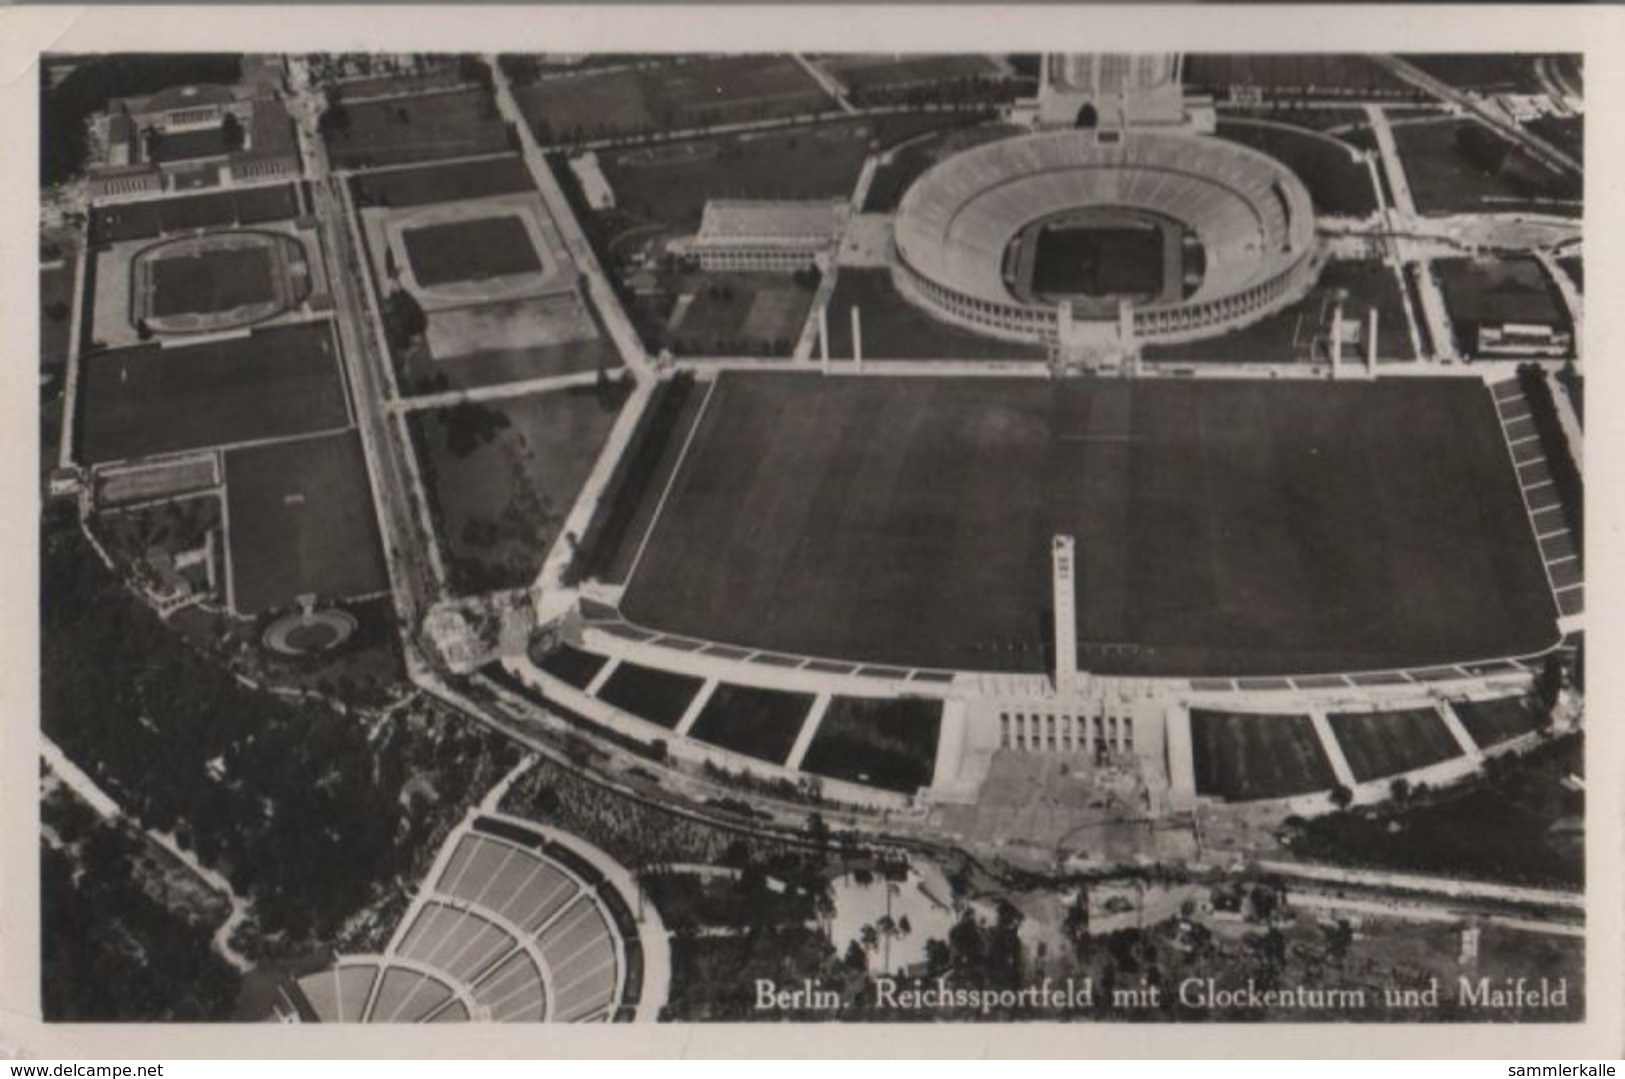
(733, 221)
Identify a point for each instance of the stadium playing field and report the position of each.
(470, 250)
(301, 521)
(140, 401)
(1223, 528)
(214, 280)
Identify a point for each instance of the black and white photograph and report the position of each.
(696, 537)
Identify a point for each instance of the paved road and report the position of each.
(411, 573)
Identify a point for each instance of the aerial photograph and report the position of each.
(804, 537)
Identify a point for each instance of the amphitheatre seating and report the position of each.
(580, 951)
(516, 884)
(407, 996)
(512, 992)
(339, 995)
(1253, 217)
(459, 942)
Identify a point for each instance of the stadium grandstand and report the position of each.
(959, 228)
(515, 924)
(759, 235)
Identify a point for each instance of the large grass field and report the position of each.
(502, 476)
(1444, 180)
(669, 96)
(470, 250)
(884, 743)
(216, 280)
(277, 382)
(456, 124)
(1297, 334)
(1379, 744)
(301, 521)
(151, 217)
(1242, 757)
(1223, 528)
(1317, 73)
(671, 184)
(1337, 183)
(443, 183)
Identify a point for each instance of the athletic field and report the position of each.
(273, 383)
(1223, 527)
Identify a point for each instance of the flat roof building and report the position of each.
(763, 235)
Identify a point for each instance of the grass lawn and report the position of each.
(460, 123)
(894, 329)
(1381, 744)
(1299, 71)
(500, 342)
(1337, 183)
(1443, 180)
(148, 400)
(499, 502)
(443, 183)
(1496, 291)
(862, 73)
(216, 280)
(655, 695)
(1484, 72)
(150, 217)
(1223, 528)
(961, 132)
(884, 743)
(1242, 757)
(669, 96)
(470, 250)
(756, 314)
(623, 518)
(56, 312)
(1297, 333)
(671, 183)
(301, 520)
(760, 723)
(1493, 722)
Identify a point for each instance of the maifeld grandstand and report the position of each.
(961, 227)
(515, 923)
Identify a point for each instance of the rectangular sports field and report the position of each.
(136, 402)
(301, 521)
(1099, 260)
(460, 123)
(1222, 527)
(218, 280)
(668, 96)
(470, 250)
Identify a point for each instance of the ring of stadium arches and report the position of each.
(1252, 216)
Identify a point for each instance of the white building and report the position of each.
(757, 235)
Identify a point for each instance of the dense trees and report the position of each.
(298, 817)
(110, 952)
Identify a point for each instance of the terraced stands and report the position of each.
(581, 954)
(1381, 744)
(513, 991)
(1243, 756)
(655, 695)
(1492, 722)
(407, 996)
(760, 723)
(516, 884)
(1253, 217)
(457, 941)
(572, 666)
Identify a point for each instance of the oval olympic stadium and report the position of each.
(1195, 234)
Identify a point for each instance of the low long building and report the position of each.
(759, 235)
